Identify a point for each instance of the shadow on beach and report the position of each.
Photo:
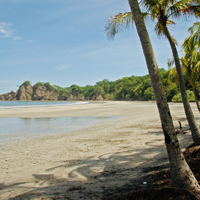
(104, 177)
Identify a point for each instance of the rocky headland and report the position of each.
(43, 92)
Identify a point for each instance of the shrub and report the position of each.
(149, 94)
(178, 98)
(26, 83)
(40, 83)
(171, 91)
(50, 87)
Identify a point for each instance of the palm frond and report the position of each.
(188, 44)
(172, 74)
(184, 8)
(170, 63)
(173, 10)
(118, 22)
(186, 68)
(197, 67)
(195, 27)
(149, 4)
(193, 41)
(191, 65)
(159, 29)
(196, 61)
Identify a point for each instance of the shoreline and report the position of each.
(36, 104)
(104, 108)
(91, 160)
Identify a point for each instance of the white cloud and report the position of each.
(6, 31)
(17, 38)
(62, 67)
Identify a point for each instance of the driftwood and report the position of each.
(180, 131)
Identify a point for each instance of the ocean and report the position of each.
(21, 128)
(20, 104)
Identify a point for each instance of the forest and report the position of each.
(133, 88)
(128, 88)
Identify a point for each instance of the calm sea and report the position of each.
(18, 104)
(20, 128)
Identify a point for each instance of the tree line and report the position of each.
(128, 88)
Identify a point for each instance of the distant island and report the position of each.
(128, 88)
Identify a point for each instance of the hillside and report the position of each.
(127, 88)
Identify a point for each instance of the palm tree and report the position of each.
(181, 174)
(191, 46)
(191, 60)
(193, 41)
(163, 11)
(190, 64)
(190, 67)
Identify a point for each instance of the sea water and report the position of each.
(21, 104)
(19, 128)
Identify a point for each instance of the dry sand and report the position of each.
(85, 164)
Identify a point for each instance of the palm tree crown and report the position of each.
(192, 43)
(161, 11)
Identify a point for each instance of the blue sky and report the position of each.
(63, 42)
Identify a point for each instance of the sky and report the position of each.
(63, 42)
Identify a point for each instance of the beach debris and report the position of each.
(181, 129)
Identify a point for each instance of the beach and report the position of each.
(86, 163)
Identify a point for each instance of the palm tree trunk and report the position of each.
(181, 174)
(196, 98)
(188, 111)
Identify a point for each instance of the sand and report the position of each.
(87, 163)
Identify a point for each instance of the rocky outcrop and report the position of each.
(96, 98)
(24, 93)
(8, 96)
(75, 98)
(27, 92)
(44, 92)
(99, 97)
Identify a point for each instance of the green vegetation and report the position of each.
(25, 83)
(178, 98)
(50, 87)
(39, 83)
(127, 89)
(64, 92)
(190, 62)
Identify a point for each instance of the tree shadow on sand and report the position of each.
(98, 177)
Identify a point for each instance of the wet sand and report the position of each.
(84, 164)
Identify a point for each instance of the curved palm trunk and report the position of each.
(196, 98)
(188, 111)
(181, 174)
